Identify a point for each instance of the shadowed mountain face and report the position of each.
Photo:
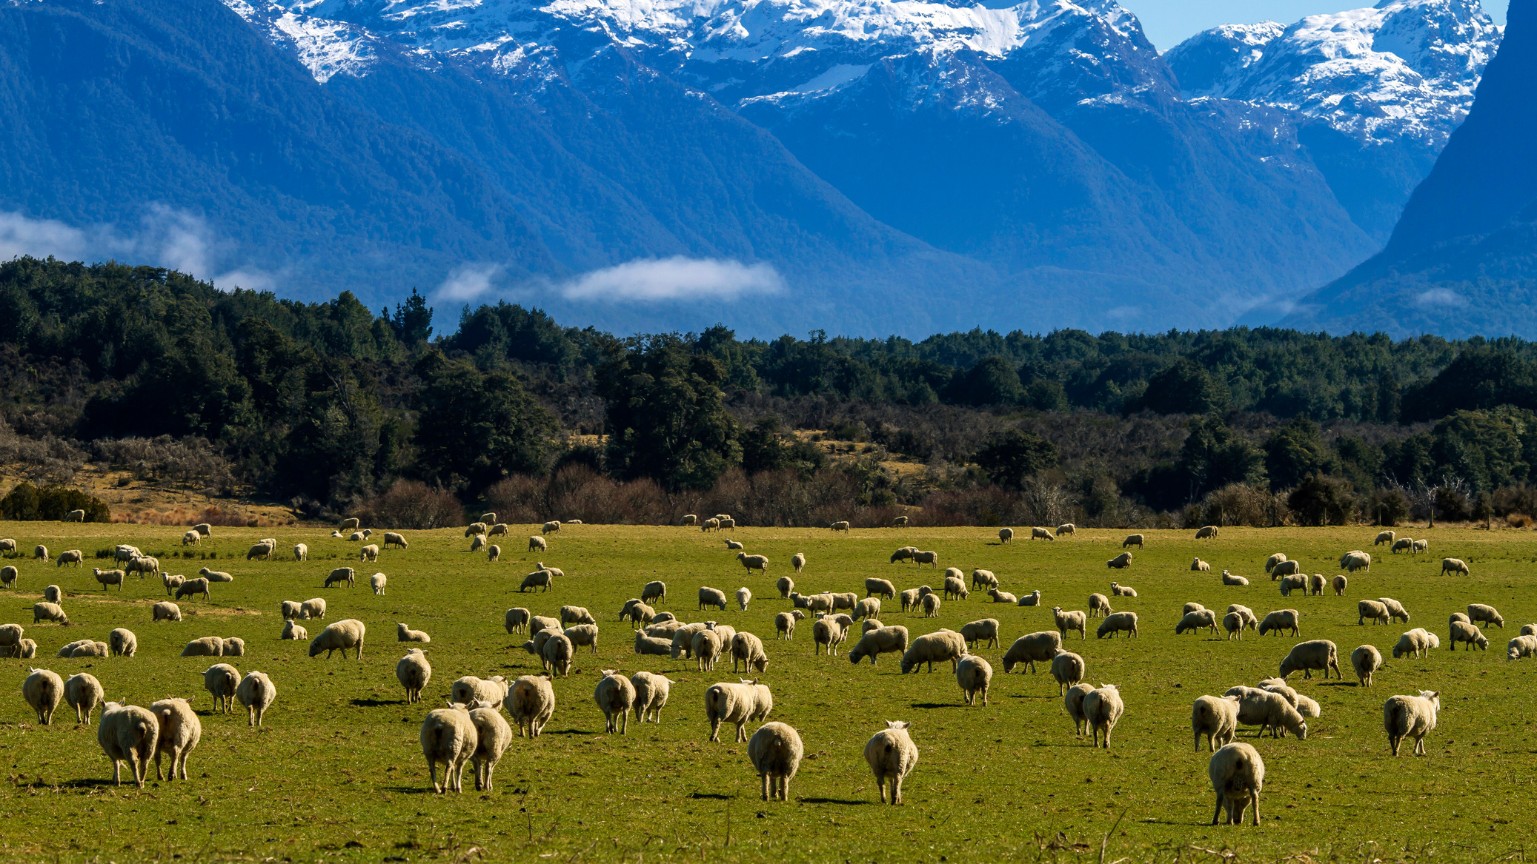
(863, 167)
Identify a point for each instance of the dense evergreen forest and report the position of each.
(334, 408)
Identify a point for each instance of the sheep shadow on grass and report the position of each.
(376, 703)
(847, 802)
(927, 705)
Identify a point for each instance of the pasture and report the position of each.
(337, 772)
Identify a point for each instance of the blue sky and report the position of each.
(1169, 21)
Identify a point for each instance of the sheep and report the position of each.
(1272, 562)
(394, 539)
(289, 609)
(550, 527)
(653, 591)
(974, 675)
(491, 692)
(1285, 568)
(1521, 646)
(1355, 560)
(1031, 599)
(1196, 620)
(1385, 538)
(301, 552)
(891, 755)
(1206, 532)
(542, 579)
(775, 752)
(651, 692)
(128, 733)
(339, 636)
(929, 558)
(369, 552)
(259, 551)
(615, 695)
(171, 583)
(880, 588)
(404, 633)
(1419, 546)
(9, 574)
(1199, 566)
(882, 640)
(341, 574)
(1411, 717)
(736, 703)
(903, 554)
(1293, 582)
(784, 623)
(747, 650)
(43, 689)
(315, 607)
(1103, 709)
(448, 735)
(1371, 610)
(1216, 718)
(85, 648)
(216, 575)
(1339, 583)
(1279, 620)
(931, 648)
(377, 583)
(1072, 701)
(531, 704)
(40, 553)
(1528, 630)
(479, 542)
(471, 529)
(542, 622)
(558, 653)
(638, 613)
(1006, 535)
(1469, 633)
(1117, 622)
(205, 646)
(1395, 609)
(827, 631)
(1068, 668)
(1067, 529)
(985, 629)
(49, 612)
(165, 610)
(70, 556)
(1001, 596)
(1401, 545)
(1233, 623)
(1414, 643)
(1066, 621)
(710, 524)
(492, 735)
(1235, 581)
(105, 577)
(221, 681)
(1032, 648)
(1365, 660)
(1316, 585)
(955, 589)
(867, 608)
(83, 693)
(1237, 776)
(146, 565)
(122, 642)
(1310, 655)
(1268, 710)
(1119, 590)
(690, 519)
(1448, 565)
(1119, 562)
(983, 579)
(1481, 613)
(10, 637)
(732, 545)
(293, 631)
(705, 647)
(909, 599)
(7, 545)
(180, 731)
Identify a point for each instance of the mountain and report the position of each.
(1463, 259)
(863, 166)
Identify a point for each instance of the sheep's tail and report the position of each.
(1400, 717)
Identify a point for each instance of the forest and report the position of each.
(333, 408)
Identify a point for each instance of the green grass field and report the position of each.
(337, 773)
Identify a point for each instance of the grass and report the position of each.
(338, 774)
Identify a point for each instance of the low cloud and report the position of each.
(165, 237)
(468, 282)
(655, 280)
(1443, 298)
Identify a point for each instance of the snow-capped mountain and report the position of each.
(1401, 69)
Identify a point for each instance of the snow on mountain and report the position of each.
(1401, 69)
(326, 48)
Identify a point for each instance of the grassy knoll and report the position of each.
(338, 775)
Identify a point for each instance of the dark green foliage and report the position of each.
(1320, 500)
(27, 503)
(1015, 456)
(1182, 388)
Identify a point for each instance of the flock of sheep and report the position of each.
(474, 729)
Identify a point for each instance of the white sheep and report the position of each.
(1199, 566)
(1285, 568)
(377, 583)
(733, 545)
(1294, 582)
(736, 703)
(1042, 534)
(1268, 710)
(775, 751)
(712, 597)
(1132, 540)
(1215, 718)
(1419, 546)
(891, 755)
(1411, 717)
(1206, 532)
(706, 649)
(1000, 596)
(1371, 610)
(105, 577)
(315, 607)
(1117, 622)
(537, 544)
(340, 636)
(827, 631)
(615, 695)
(180, 732)
(931, 648)
(1068, 668)
(983, 630)
(1032, 648)
(301, 552)
(1103, 709)
(558, 654)
(881, 640)
(43, 689)
(931, 604)
(128, 733)
(651, 692)
(1453, 565)
(1396, 609)
(341, 574)
(798, 561)
(49, 612)
(1310, 655)
(753, 562)
(1480, 613)
(165, 610)
(975, 675)
(83, 693)
(1339, 583)
(1355, 560)
(404, 633)
(784, 623)
(1237, 776)
(747, 650)
(221, 681)
(1119, 562)
(204, 646)
(1073, 702)
(414, 672)
(1073, 620)
(1469, 633)
(531, 704)
(70, 556)
(1235, 581)
(542, 578)
(1197, 620)
(1521, 646)
(1279, 620)
(1099, 605)
(743, 597)
(85, 648)
(491, 691)
(1413, 643)
(492, 737)
(449, 736)
(1366, 660)
(929, 558)
(1006, 535)
(171, 582)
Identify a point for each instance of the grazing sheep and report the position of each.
(10, 637)
(1067, 529)
(1366, 660)
(531, 704)
(1206, 532)
(1448, 565)
(1371, 610)
(292, 630)
(1294, 582)
(40, 553)
(798, 561)
(638, 613)
(753, 562)
(705, 647)
(558, 654)
(1479, 613)
(315, 607)
(492, 735)
(738, 704)
(377, 583)
(479, 542)
(1310, 655)
(493, 553)
(1099, 605)
(955, 589)
(221, 681)
(747, 650)
(1216, 718)
(301, 552)
(1237, 776)
(1521, 646)
(1233, 623)
(1103, 709)
(165, 610)
(1355, 560)
(43, 689)
(1415, 643)
(1402, 545)
(1117, 622)
(1196, 620)
(551, 527)
(8, 575)
(257, 693)
(1068, 668)
(105, 577)
(342, 574)
(1032, 648)
(259, 551)
(931, 648)
(841, 525)
(1285, 568)
(1272, 562)
(651, 692)
(712, 597)
(70, 556)
(1005, 535)
(122, 642)
(744, 596)
(879, 588)
(1042, 534)
(392, 538)
(7, 545)
(710, 524)
(784, 623)
(1385, 537)
(891, 755)
(867, 608)
(49, 612)
(449, 736)
(1279, 620)
(1070, 621)
(1119, 590)
(909, 599)
(404, 633)
(128, 733)
(1395, 609)
(340, 636)
(975, 675)
(1072, 701)
(1339, 582)
(903, 554)
(929, 558)
(1528, 630)
(1199, 566)
(1268, 710)
(985, 629)
(882, 640)
(491, 691)
(145, 565)
(289, 609)
(775, 752)
(931, 604)
(1132, 540)
(653, 591)
(83, 693)
(576, 615)
(1316, 585)
(1469, 633)
(1119, 562)
(172, 582)
(983, 579)
(1419, 546)
(542, 579)
(615, 695)
(1001, 596)
(827, 631)
(1411, 717)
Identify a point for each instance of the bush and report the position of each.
(518, 498)
(27, 503)
(1320, 500)
(413, 504)
(1238, 504)
(189, 461)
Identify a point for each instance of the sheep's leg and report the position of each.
(1254, 802)
(765, 778)
(1216, 816)
(896, 790)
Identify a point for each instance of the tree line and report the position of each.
(333, 407)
